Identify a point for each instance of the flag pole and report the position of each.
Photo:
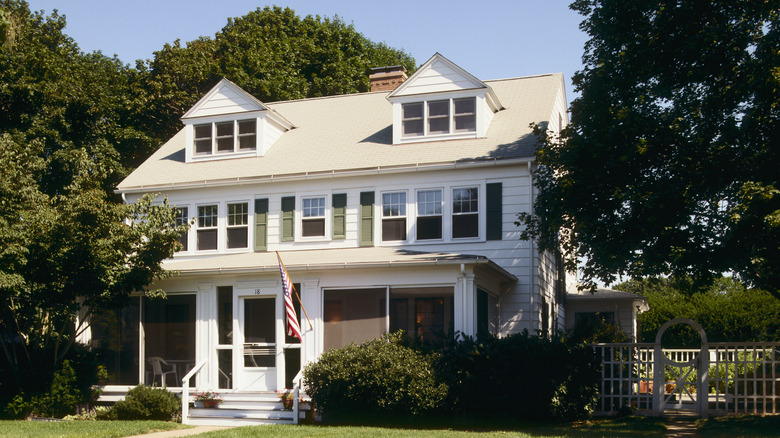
(294, 290)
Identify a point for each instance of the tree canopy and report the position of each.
(727, 311)
(670, 162)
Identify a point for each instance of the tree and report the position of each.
(272, 53)
(727, 311)
(669, 165)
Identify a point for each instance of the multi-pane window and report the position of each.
(394, 216)
(465, 212)
(313, 220)
(429, 214)
(465, 117)
(237, 225)
(412, 123)
(225, 137)
(439, 117)
(207, 227)
(182, 217)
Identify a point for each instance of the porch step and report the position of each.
(246, 409)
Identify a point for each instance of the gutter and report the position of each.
(378, 170)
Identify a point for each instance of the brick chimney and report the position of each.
(387, 78)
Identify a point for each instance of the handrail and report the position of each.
(297, 381)
(185, 391)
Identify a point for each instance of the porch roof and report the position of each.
(326, 259)
(609, 294)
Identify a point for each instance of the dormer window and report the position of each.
(232, 136)
(437, 117)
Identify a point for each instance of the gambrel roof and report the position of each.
(352, 134)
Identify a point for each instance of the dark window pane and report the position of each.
(237, 237)
(207, 239)
(203, 131)
(183, 238)
(313, 227)
(412, 128)
(465, 106)
(225, 129)
(203, 146)
(439, 125)
(247, 142)
(465, 225)
(465, 123)
(412, 110)
(439, 108)
(393, 229)
(225, 315)
(247, 127)
(428, 227)
(225, 144)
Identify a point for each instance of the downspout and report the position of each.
(531, 248)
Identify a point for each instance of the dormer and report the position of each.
(228, 122)
(441, 101)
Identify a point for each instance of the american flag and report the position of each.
(293, 329)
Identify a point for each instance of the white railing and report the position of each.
(185, 391)
(297, 381)
(739, 378)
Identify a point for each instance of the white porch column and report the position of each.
(311, 297)
(205, 333)
(466, 303)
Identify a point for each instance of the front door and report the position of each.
(256, 345)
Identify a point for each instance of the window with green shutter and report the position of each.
(261, 224)
(339, 204)
(366, 218)
(494, 211)
(288, 218)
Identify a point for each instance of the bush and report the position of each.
(61, 400)
(145, 403)
(520, 376)
(380, 378)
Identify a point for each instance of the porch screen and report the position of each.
(169, 329)
(353, 315)
(115, 338)
(426, 312)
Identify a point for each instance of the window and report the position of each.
(207, 227)
(429, 214)
(182, 217)
(232, 136)
(465, 212)
(313, 221)
(465, 115)
(393, 216)
(439, 117)
(237, 225)
(412, 123)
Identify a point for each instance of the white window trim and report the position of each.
(481, 124)
(380, 217)
(191, 230)
(189, 133)
(220, 236)
(443, 214)
(299, 237)
(481, 213)
(249, 225)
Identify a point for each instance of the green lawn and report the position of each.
(734, 426)
(78, 429)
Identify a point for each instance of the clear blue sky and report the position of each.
(490, 39)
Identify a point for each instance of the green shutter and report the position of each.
(494, 211)
(261, 224)
(288, 218)
(339, 215)
(366, 218)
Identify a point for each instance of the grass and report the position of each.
(733, 426)
(624, 427)
(78, 429)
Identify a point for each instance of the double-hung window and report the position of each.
(182, 216)
(465, 212)
(207, 227)
(393, 216)
(439, 117)
(225, 137)
(237, 225)
(429, 214)
(313, 220)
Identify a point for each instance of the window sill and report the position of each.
(439, 137)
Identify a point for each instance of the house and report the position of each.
(392, 210)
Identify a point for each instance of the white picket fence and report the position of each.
(736, 378)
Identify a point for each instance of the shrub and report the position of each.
(61, 400)
(380, 378)
(145, 403)
(520, 376)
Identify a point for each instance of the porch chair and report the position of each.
(157, 363)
